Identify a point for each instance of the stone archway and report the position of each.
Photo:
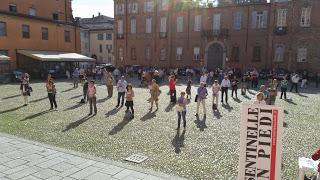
(215, 55)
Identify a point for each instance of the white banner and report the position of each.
(260, 142)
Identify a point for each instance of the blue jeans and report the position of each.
(183, 114)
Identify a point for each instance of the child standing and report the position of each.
(260, 99)
(215, 94)
(129, 100)
(91, 93)
(182, 109)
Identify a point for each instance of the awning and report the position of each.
(4, 58)
(53, 56)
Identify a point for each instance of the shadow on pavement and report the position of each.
(169, 107)
(74, 107)
(247, 97)
(236, 100)
(103, 100)
(10, 110)
(227, 106)
(178, 141)
(35, 115)
(201, 124)
(38, 100)
(290, 101)
(149, 115)
(75, 97)
(9, 97)
(217, 113)
(119, 126)
(70, 89)
(77, 123)
(112, 112)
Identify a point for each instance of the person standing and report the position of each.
(225, 84)
(94, 72)
(155, 93)
(304, 80)
(235, 83)
(272, 93)
(52, 91)
(201, 98)
(295, 80)
(264, 91)
(92, 97)
(109, 83)
(172, 88)
(204, 79)
(116, 74)
(25, 88)
(284, 87)
(182, 109)
(85, 90)
(75, 77)
(188, 89)
(121, 87)
(129, 100)
(215, 94)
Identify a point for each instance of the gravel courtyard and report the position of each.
(208, 149)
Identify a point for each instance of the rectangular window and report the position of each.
(164, 5)
(148, 53)
(149, 25)
(278, 53)
(45, 33)
(302, 54)
(163, 54)
(67, 36)
(259, 20)
(100, 48)
(120, 26)
(32, 11)
(237, 20)
(196, 53)
(100, 37)
(197, 23)
(121, 9)
(180, 24)
(148, 6)
(109, 37)
(133, 26)
(13, 8)
(216, 22)
(305, 17)
(133, 8)
(3, 28)
(256, 53)
(120, 51)
(235, 54)
(26, 31)
(282, 18)
(133, 54)
(179, 54)
(55, 16)
(163, 24)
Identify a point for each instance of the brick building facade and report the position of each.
(240, 34)
(37, 26)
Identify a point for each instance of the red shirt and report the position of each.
(172, 85)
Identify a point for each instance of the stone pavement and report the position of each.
(28, 160)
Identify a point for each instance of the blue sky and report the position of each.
(86, 8)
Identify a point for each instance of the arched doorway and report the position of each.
(215, 55)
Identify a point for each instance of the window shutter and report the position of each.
(265, 19)
(254, 19)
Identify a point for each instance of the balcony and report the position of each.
(163, 35)
(221, 33)
(280, 31)
(120, 36)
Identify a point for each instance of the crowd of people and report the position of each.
(219, 81)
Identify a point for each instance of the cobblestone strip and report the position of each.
(24, 159)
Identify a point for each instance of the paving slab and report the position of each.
(29, 160)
